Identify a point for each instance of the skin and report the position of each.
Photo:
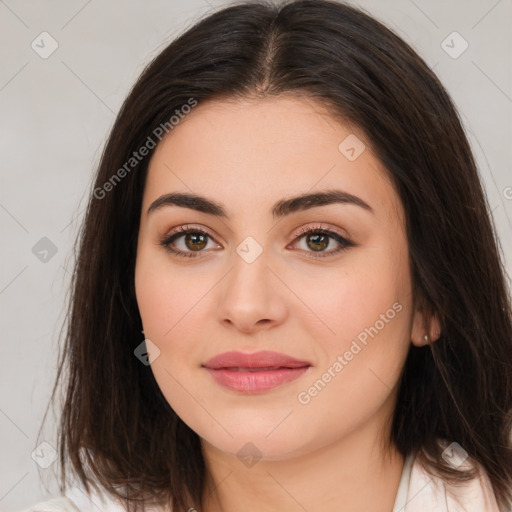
(331, 453)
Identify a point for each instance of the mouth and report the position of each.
(254, 373)
(255, 380)
(265, 359)
(262, 369)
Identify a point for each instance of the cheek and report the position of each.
(366, 318)
(166, 303)
(164, 294)
(173, 304)
(357, 295)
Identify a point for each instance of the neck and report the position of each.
(357, 472)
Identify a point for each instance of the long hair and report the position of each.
(117, 431)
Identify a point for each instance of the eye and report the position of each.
(316, 239)
(194, 240)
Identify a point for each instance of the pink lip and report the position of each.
(253, 373)
(261, 359)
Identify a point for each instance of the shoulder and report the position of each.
(58, 504)
(77, 500)
(430, 492)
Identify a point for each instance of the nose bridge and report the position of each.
(249, 274)
(249, 294)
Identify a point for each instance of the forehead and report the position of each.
(250, 153)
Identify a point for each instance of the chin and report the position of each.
(254, 441)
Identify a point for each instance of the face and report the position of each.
(327, 283)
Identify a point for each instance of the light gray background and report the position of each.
(55, 116)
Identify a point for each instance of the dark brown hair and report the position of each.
(117, 431)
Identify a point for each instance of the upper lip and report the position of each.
(263, 359)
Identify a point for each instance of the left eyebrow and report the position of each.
(307, 201)
(279, 209)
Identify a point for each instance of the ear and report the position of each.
(426, 327)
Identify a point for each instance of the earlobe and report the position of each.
(435, 328)
(425, 332)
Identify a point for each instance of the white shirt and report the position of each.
(417, 492)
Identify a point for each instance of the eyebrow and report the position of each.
(280, 209)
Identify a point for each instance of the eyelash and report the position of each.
(314, 230)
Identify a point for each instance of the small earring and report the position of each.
(143, 333)
(426, 338)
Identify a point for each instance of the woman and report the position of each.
(288, 294)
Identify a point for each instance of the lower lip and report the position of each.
(255, 382)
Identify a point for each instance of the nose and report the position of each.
(251, 297)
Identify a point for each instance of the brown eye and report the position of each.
(317, 241)
(195, 241)
(189, 242)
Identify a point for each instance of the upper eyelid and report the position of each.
(319, 227)
(183, 229)
(302, 231)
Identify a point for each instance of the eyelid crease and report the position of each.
(321, 227)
